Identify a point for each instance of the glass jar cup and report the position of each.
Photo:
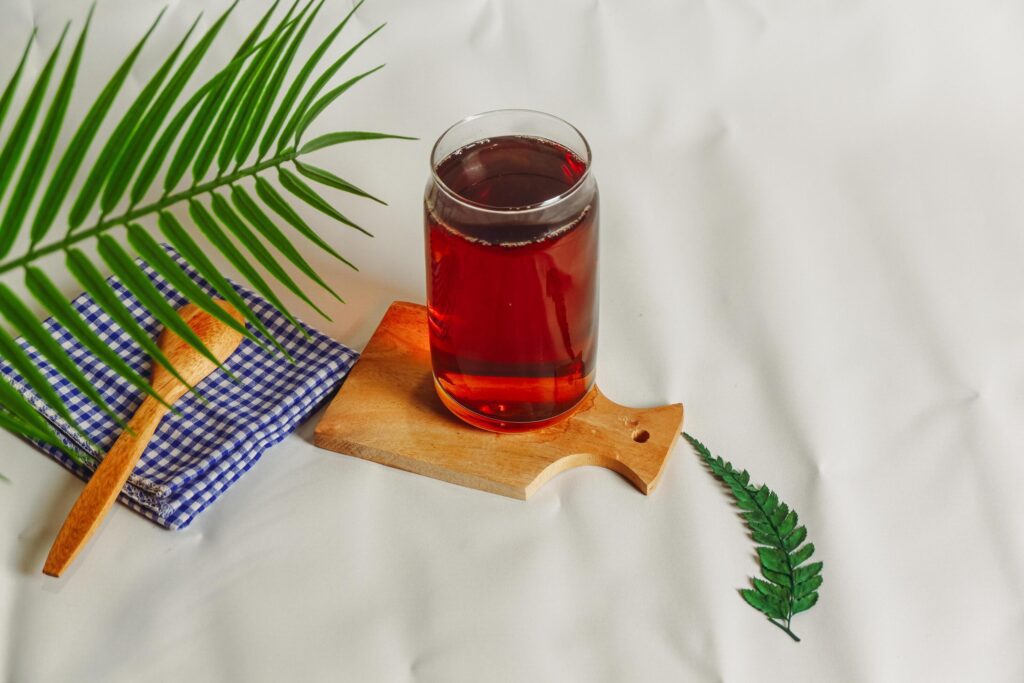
(511, 223)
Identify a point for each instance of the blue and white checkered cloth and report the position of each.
(196, 455)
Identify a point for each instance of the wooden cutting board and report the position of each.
(387, 411)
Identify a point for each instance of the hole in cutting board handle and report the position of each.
(641, 435)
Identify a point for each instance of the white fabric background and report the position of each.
(812, 235)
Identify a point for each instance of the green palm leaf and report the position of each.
(183, 126)
(325, 177)
(162, 148)
(47, 293)
(233, 117)
(12, 84)
(18, 407)
(193, 253)
(252, 212)
(29, 327)
(217, 126)
(243, 234)
(72, 160)
(118, 139)
(32, 174)
(276, 81)
(325, 101)
(125, 268)
(212, 231)
(331, 139)
(278, 205)
(264, 90)
(318, 85)
(24, 366)
(93, 281)
(300, 189)
(285, 108)
(11, 154)
(153, 254)
(143, 135)
(33, 431)
(199, 127)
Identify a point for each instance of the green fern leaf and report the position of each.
(802, 555)
(761, 497)
(779, 514)
(770, 589)
(793, 540)
(772, 607)
(779, 578)
(801, 574)
(787, 525)
(774, 559)
(788, 588)
(807, 587)
(805, 603)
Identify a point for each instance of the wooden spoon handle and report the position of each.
(103, 488)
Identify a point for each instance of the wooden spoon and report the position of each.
(109, 478)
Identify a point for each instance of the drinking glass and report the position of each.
(511, 222)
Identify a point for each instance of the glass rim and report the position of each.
(515, 210)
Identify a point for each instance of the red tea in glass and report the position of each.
(511, 215)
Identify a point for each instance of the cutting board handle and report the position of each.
(631, 441)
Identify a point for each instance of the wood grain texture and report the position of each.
(388, 411)
(109, 478)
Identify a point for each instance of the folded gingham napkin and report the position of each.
(196, 455)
